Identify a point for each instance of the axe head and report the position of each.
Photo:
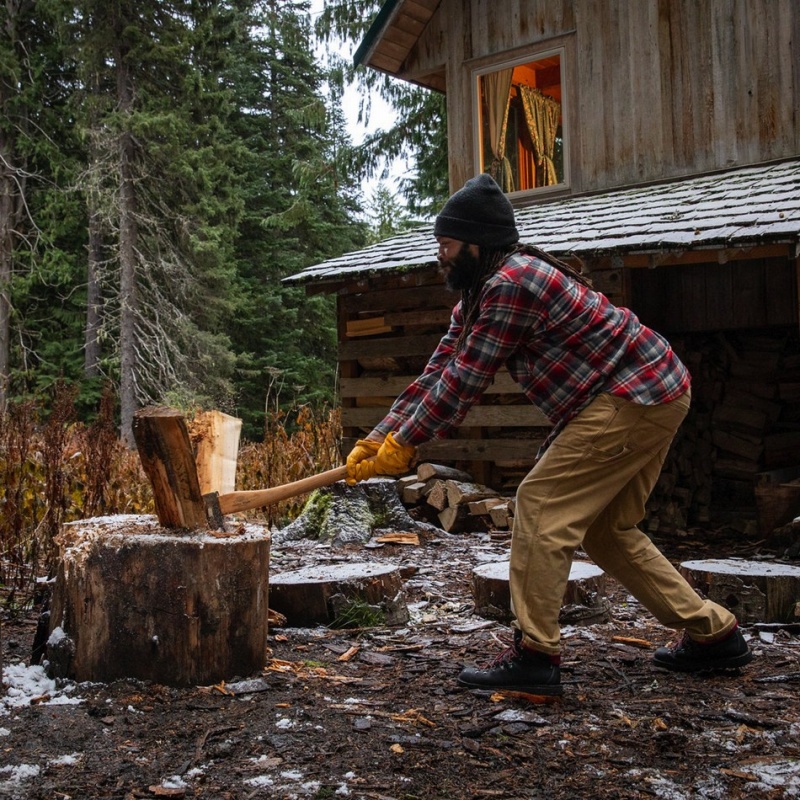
(213, 511)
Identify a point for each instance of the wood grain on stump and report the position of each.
(133, 600)
(584, 601)
(755, 591)
(317, 595)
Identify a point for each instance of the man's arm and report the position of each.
(407, 401)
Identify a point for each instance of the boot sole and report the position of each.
(553, 690)
(709, 666)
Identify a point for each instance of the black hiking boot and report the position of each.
(687, 655)
(517, 669)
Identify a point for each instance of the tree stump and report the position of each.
(177, 607)
(584, 602)
(336, 594)
(754, 591)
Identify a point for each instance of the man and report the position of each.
(616, 394)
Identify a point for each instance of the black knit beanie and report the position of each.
(479, 213)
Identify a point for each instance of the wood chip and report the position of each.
(398, 538)
(536, 699)
(349, 653)
(414, 716)
(631, 640)
(168, 791)
(735, 773)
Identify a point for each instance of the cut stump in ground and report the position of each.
(180, 608)
(584, 603)
(333, 595)
(754, 591)
(343, 514)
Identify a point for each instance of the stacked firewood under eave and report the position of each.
(451, 499)
(743, 430)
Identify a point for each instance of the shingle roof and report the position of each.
(753, 205)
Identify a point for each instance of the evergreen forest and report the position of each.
(164, 164)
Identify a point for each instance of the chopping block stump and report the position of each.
(176, 607)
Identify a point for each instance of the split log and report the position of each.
(413, 493)
(133, 600)
(162, 439)
(501, 515)
(367, 327)
(461, 492)
(322, 594)
(755, 591)
(216, 444)
(437, 496)
(453, 519)
(483, 507)
(403, 481)
(584, 600)
(427, 471)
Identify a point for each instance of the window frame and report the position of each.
(531, 54)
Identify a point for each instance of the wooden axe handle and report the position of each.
(232, 502)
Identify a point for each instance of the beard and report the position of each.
(460, 271)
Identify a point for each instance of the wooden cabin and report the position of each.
(656, 145)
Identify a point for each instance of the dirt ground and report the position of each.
(377, 713)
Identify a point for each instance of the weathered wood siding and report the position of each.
(747, 294)
(657, 88)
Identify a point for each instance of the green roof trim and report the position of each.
(380, 22)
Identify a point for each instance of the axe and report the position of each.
(217, 505)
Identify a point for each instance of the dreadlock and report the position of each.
(489, 261)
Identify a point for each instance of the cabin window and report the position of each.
(521, 124)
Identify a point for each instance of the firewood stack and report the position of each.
(451, 499)
(743, 430)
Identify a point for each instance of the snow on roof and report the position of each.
(754, 205)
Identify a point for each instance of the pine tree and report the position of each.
(388, 217)
(299, 211)
(419, 134)
(40, 221)
(161, 201)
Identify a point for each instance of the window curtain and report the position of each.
(542, 114)
(497, 87)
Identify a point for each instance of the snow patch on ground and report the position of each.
(25, 685)
(66, 760)
(780, 774)
(291, 784)
(13, 779)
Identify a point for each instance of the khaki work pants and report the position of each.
(590, 488)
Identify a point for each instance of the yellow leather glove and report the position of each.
(392, 459)
(363, 449)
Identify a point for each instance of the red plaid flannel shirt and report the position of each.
(562, 342)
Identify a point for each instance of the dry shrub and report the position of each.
(289, 453)
(109, 476)
(20, 498)
(61, 470)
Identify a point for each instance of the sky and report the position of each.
(381, 115)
